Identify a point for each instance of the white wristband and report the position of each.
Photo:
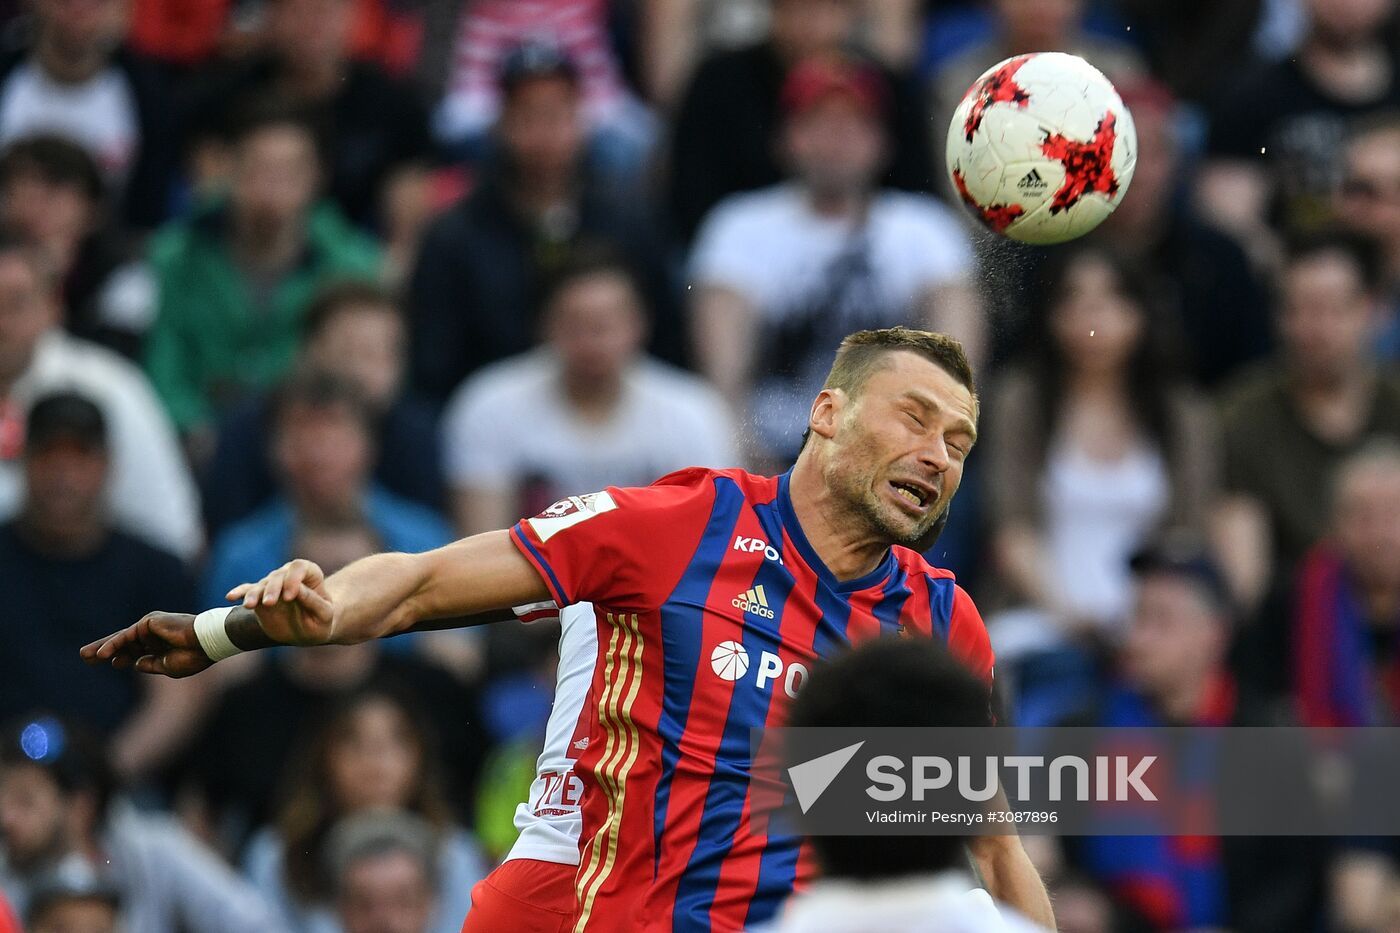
(209, 629)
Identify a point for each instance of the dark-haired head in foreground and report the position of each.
(891, 682)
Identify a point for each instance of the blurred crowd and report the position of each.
(328, 277)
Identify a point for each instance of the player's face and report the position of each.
(32, 814)
(1174, 633)
(900, 446)
(385, 894)
(374, 763)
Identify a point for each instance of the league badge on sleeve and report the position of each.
(569, 512)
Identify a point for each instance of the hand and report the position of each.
(292, 604)
(161, 643)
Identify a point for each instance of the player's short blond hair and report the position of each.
(863, 353)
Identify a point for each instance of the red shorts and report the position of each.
(524, 896)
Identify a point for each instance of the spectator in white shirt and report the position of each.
(150, 491)
(780, 275)
(586, 410)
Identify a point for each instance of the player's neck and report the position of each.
(847, 553)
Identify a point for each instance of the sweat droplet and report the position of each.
(1091, 333)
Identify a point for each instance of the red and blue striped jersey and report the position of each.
(711, 608)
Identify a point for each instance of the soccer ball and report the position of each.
(1042, 149)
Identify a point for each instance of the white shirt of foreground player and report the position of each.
(512, 420)
(550, 821)
(947, 902)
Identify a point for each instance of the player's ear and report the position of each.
(826, 412)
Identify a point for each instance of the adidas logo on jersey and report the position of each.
(582, 744)
(1031, 181)
(755, 602)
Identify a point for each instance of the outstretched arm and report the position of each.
(465, 583)
(390, 593)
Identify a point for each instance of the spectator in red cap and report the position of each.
(723, 139)
(780, 274)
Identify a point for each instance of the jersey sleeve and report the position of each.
(967, 635)
(530, 613)
(622, 547)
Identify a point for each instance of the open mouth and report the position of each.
(916, 495)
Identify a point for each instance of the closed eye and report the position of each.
(914, 418)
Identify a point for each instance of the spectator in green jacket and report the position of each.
(236, 278)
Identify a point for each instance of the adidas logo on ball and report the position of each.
(1032, 182)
